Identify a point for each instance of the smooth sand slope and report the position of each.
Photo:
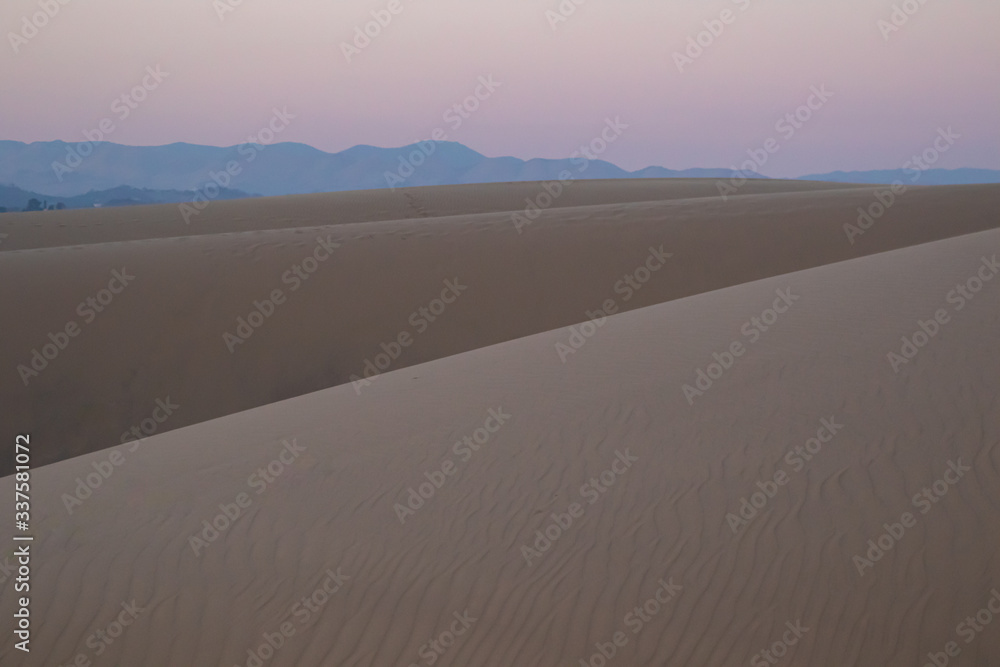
(658, 520)
(169, 349)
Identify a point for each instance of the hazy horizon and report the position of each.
(526, 158)
(557, 77)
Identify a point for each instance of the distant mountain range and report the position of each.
(61, 169)
(107, 174)
(928, 177)
(14, 198)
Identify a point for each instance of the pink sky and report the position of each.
(609, 58)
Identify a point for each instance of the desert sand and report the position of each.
(707, 474)
(164, 345)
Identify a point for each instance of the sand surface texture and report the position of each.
(737, 469)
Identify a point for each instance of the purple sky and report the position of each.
(891, 92)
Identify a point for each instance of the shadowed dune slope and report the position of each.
(195, 334)
(131, 223)
(657, 527)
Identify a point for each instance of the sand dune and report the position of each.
(161, 347)
(669, 468)
(83, 227)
